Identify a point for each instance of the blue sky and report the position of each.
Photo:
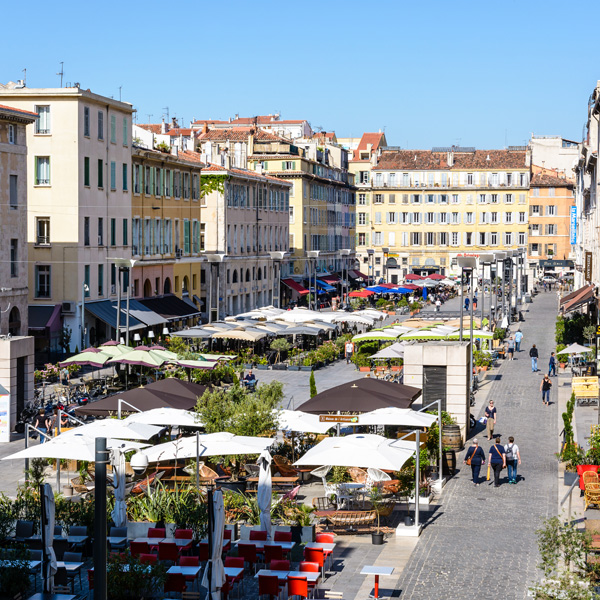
(432, 73)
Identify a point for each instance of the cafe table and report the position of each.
(187, 571)
(260, 544)
(69, 566)
(116, 541)
(377, 571)
(311, 576)
(326, 547)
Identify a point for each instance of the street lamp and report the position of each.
(384, 268)
(123, 265)
(345, 253)
(214, 259)
(371, 266)
(84, 289)
(314, 255)
(509, 267)
(277, 257)
(468, 263)
(501, 257)
(485, 260)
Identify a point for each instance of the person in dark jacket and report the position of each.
(534, 356)
(497, 460)
(477, 456)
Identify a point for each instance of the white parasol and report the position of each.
(264, 494)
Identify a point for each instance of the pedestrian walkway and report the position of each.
(480, 541)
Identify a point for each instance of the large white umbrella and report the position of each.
(113, 349)
(299, 315)
(371, 312)
(297, 420)
(390, 352)
(90, 357)
(174, 417)
(264, 492)
(477, 333)
(143, 358)
(210, 444)
(115, 428)
(375, 335)
(352, 318)
(218, 578)
(575, 349)
(397, 416)
(50, 565)
(359, 450)
(119, 513)
(238, 334)
(194, 332)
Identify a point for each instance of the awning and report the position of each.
(582, 296)
(294, 285)
(42, 317)
(197, 300)
(325, 286)
(106, 311)
(331, 279)
(358, 275)
(142, 313)
(171, 307)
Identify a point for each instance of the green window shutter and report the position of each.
(367, 239)
(86, 171)
(124, 177)
(152, 176)
(124, 232)
(171, 185)
(113, 175)
(366, 218)
(294, 165)
(355, 240)
(113, 232)
(100, 173)
(367, 199)
(125, 132)
(186, 237)
(283, 166)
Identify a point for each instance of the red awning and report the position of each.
(436, 276)
(294, 285)
(391, 286)
(331, 279)
(410, 286)
(413, 276)
(361, 294)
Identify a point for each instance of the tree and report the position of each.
(313, 385)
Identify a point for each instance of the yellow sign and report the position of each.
(338, 419)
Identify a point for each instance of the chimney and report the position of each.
(174, 150)
(163, 127)
(227, 160)
(258, 168)
(450, 159)
(250, 151)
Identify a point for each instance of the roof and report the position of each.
(576, 299)
(18, 111)
(144, 314)
(421, 160)
(171, 307)
(106, 311)
(190, 156)
(180, 131)
(240, 134)
(151, 127)
(375, 139)
(545, 180)
(258, 120)
(41, 317)
(212, 168)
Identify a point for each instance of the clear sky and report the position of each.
(475, 73)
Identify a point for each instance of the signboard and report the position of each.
(588, 266)
(338, 418)
(555, 264)
(573, 228)
(598, 331)
(4, 417)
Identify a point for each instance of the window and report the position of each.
(42, 230)
(86, 171)
(362, 199)
(100, 125)
(100, 174)
(100, 231)
(493, 238)
(454, 238)
(455, 199)
(124, 232)
(551, 229)
(508, 239)
(377, 238)
(522, 238)
(124, 169)
(203, 235)
(482, 238)
(415, 238)
(392, 198)
(551, 211)
(481, 198)
(443, 218)
(522, 217)
(42, 170)
(86, 121)
(416, 198)
(443, 198)
(12, 134)
(391, 218)
(13, 191)
(494, 198)
(362, 218)
(508, 217)
(443, 238)
(494, 217)
(100, 280)
(113, 232)
(430, 218)
(86, 231)
(125, 132)
(362, 239)
(416, 218)
(113, 129)
(508, 198)
(364, 176)
(86, 280)
(535, 229)
(14, 257)
(469, 178)
(186, 236)
(289, 165)
(42, 125)
(535, 209)
(469, 218)
(113, 175)
(430, 179)
(430, 238)
(455, 218)
(535, 192)
(377, 218)
(430, 198)
(483, 217)
(378, 199)
(42, 281)
(468, 238)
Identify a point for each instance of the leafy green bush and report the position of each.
(129, 579)
(14, 574)
(561, 358)
(499, 333)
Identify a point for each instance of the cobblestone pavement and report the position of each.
(480, 542)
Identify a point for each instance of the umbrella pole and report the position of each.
(198, 464)
(43, 518)
(211, 524)
(100, 521)
(417, 476)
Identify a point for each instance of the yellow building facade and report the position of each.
(419, 210)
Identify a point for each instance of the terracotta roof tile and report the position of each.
(180, 131)
(369, 138)
(258, 120)
(18, 110)
(545, 180)
(419, 160)
(240, 134)
(212, 168)
(151, 127)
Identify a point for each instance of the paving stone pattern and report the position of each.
(480, 542)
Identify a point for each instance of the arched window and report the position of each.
(186, 285)
(247, 274)
(147, 289)
(14, 321)
(235, 276)
(167, 286)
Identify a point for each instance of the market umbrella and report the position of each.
(374, 335)
(195, 364)
(390, 352)
(575, 349)
(299, 330)
(412, 277)
(296, 420)
(264, 493)
(210, 444)
(477, 333)
(90, 357)
(194, 332)
(360, 450)
(114, 428)
(361, 395)
(119, 513)
(166, 416)
(50, 566)
(397, 416)
(437, 276)
(163, 352)
(113, 349)
(238, 334)
(411, 286)
(423, 334)
(142, 358)
(361, 294)
(353, 318)
(371, 312)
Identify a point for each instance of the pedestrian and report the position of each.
(552, 365)
(545, 387)
(518, 338)
(534, 356)
(513, 458)
(497, 460)
(511, 347)
(42, 424)
(475, 302)
(438, 304)
(64, 376)
(475, 457)
(490, 415)
(349, 349)
(466, 303)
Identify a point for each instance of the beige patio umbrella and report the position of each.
(238, 334)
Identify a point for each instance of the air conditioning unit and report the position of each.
(68, 308)
(178, 253)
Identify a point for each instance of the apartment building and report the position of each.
(290, 129)
(80, 164)
(245, 236)
(419, 209)
(551, 201)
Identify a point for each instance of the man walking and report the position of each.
(552, 365)
(513, 458)
(467, 304)
(533, 353)
(497, 460)
(349, 348)
(518, 338)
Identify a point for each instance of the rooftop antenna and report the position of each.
(61, 73)
(150, 115)
(25, 77)
(166, 109)
(120, 88)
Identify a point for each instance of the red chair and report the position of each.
(315, 555)
(279, 565)
(258, 535)
(184, 534)
(248, 552)
(137, 548)
(148, 559)
(268, 585)
(91, 578)
(282, 536)
(326, 538)
(297, 586)
(236, 562)
(227, 540)
(157, 532)
(175, 583)
(309, 567)
(168, 551)
(273, 553)
(203, 551)
(189, 561)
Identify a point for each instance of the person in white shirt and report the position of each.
(513, 458)
(349, 349)
(438, 304)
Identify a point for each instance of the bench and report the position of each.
(349, 519)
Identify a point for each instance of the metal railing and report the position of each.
(568, 496)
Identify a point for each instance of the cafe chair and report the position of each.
(137, 548)
(284, 466)
(168, 552)
(309, 567)
(147, 559)
(248, 552)
(326, 538)
(75, 557)
(189, 561)
(185, 534)
(23, 530)
(80, 531)
(273, 553)
(297, 586)
(118, 532)
(235, 562)
(268, 585)
(315, 555)
(279, 565)
(175, 583)
(258, 535)
(203, 551)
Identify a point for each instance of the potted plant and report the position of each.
(376, 499)
(128, 578)
(562, 359)
(281, 346)
(262, 364)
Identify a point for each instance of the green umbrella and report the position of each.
(371, 336)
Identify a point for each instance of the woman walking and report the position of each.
(513, 458)
(490, 415)
(511, 348)
(497, 460)
(475, 457)
(545, 387)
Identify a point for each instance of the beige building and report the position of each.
(421, 209)
(13, 219)
(245, 237)
(79, 197)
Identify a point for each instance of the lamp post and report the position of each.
(84, 289)
(384, 267)
(468, 263)
(102, 459)
(485, 260)
(345, 253)
(370, 269)
(277, 258)
(214, 259)
(313, 255)
(509, 268)
(123, 265)
(500, 258)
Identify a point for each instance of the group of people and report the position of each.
(46, 423)
(500, 457)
